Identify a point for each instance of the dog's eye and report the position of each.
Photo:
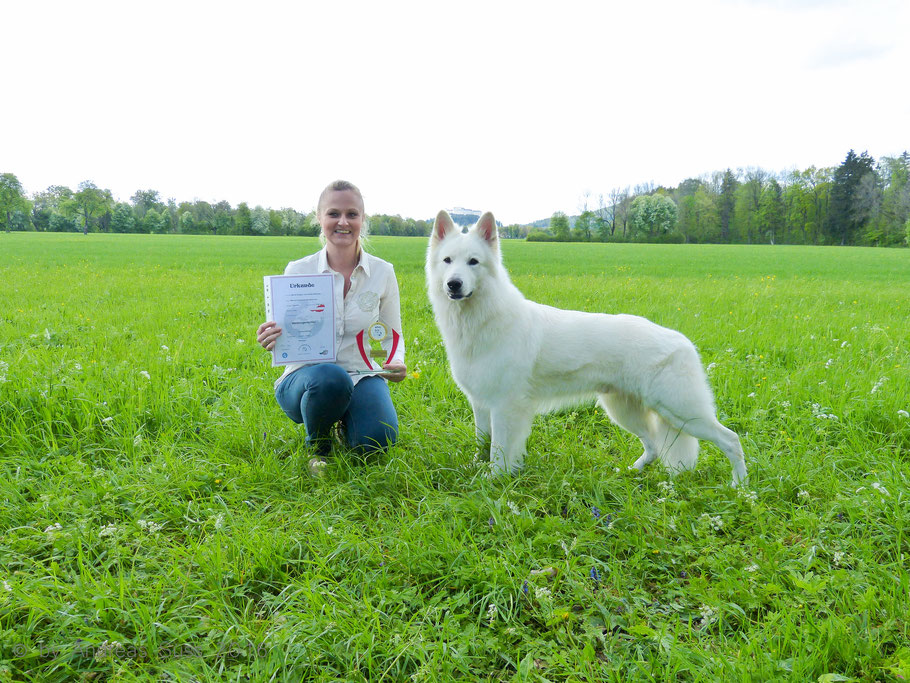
(447, 260)
(473, 262)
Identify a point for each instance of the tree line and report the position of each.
(93, 209)
(859, 202)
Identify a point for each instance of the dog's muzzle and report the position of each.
(454, 291)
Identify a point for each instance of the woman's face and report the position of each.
(341, 218)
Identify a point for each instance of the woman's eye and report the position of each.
(473, 262)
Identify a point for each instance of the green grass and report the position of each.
(157, 521)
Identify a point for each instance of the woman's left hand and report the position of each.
(399, 371)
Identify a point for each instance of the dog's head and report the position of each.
(457, 261)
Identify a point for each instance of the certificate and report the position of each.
(303, 306)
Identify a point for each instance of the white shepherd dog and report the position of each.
(515, 358)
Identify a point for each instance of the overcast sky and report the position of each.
(520, 108)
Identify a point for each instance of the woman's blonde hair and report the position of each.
(344, 186)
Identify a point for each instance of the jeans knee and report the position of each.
(375, 440)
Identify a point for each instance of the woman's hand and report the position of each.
(399, 371)
(267, 334)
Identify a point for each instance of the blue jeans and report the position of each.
(321, 395)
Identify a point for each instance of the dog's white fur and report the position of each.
(515, 358)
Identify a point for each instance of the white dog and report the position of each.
(515, 358)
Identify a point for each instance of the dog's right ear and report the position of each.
(443, 227)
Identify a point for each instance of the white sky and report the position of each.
(515, 107)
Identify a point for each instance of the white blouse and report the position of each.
(373, 297)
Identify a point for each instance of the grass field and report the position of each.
(157, 521)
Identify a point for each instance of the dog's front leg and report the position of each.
(481, 428)
(509, 437)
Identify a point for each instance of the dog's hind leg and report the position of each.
(707, 428)
(683, 399)
(629, 413)
(509, 438)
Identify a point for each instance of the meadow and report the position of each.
(158, 521)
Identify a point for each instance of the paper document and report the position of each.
(303, 306)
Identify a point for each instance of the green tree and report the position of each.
(143, 200)
(848, 213)
(652, 217)
(242, 219)
(583, 225)
(259, 221)
(895, 205)
(12, 198)
(727, 204)
(122, 218)
(771, 211)
(186, 224)
(559, 224)
(223, 218)
(91, 201)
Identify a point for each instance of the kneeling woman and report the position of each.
(323, 394)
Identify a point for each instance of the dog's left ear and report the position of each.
(486, 227)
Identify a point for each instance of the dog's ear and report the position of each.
(443, 227)
(486, 227)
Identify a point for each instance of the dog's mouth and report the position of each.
(455, 296)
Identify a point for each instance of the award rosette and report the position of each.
(369, 342)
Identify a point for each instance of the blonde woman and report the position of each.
(321, 395)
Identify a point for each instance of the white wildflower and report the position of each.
(838, 558)
(843, 344)
(145, 373)
(52, 528)
(107, 649)
(164, 348)
(568, 548)
(785, 404)
(149, 527)
(710, 367)
(903, 413)
(714, 522)
(752, 568)
(514, 508)
(802, 493)
(137, 440)
(330, 530)
(107, 419)
(542, 593)
(47, 334)
(491, 613)
(708, 615)
(881, 489)
(829, 363)
(748, 496)
(7, 587)
(240, 341)
(878, 384)
(751, 395)
(107, 530)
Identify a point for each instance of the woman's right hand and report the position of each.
(267, 334)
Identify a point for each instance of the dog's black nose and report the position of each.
(454, 285)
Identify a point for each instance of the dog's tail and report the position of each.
(678, 450)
